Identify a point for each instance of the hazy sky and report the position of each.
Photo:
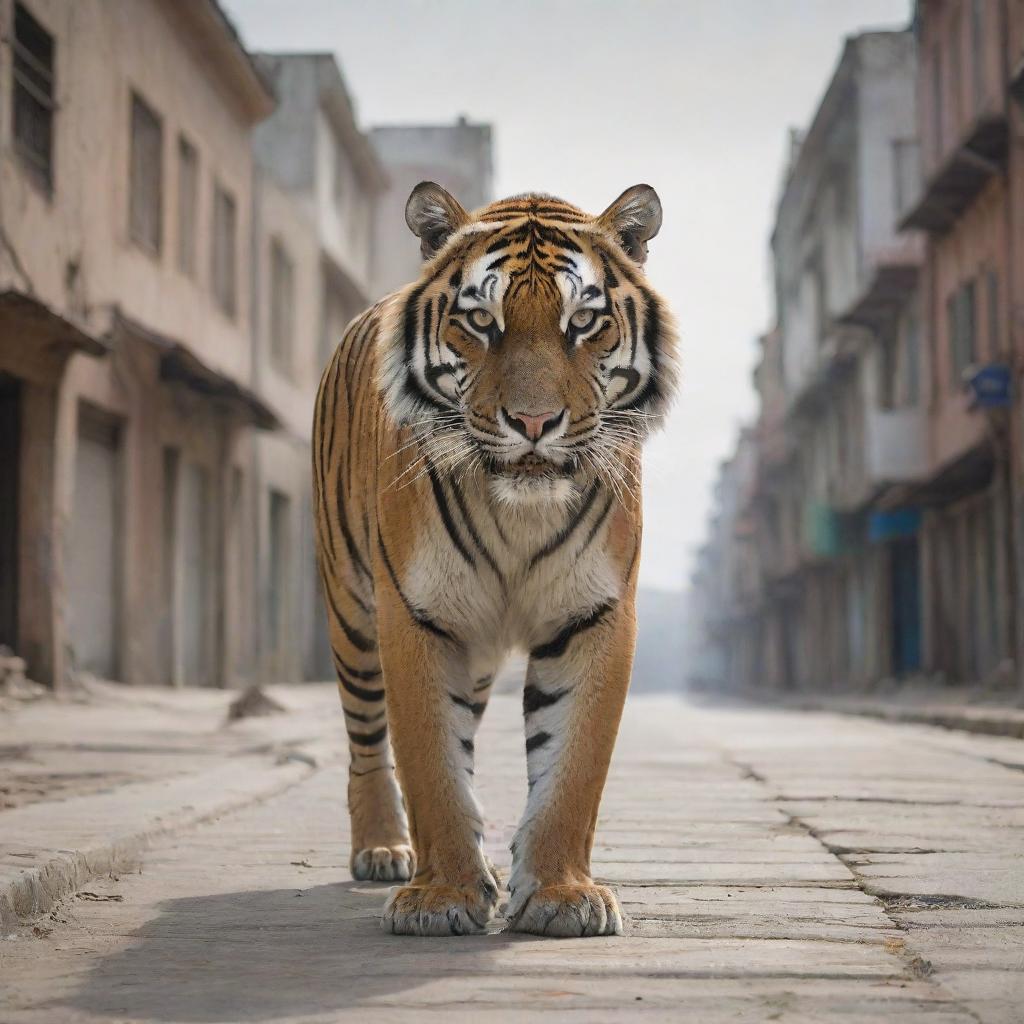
(588, 97)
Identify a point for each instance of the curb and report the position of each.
(995, 721)
(44, 832)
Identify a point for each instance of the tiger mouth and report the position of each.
(529, 467)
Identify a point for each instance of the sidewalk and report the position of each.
(976, 710)
(87, 782)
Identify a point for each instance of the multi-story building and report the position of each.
(126, 193)
(966, 203)
(457, 156)
(318, 184)
(842, 428)
(842, 270)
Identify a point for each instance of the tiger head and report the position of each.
(532, 347)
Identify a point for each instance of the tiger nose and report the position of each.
(533, 427)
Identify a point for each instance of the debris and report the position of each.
(288, 756)
(301, 864)
(14, 684)
(41, 931)
(98, 897)
(253, 703)
(920, 968)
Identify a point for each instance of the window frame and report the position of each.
(152, 246)
(226, 300)
(187, 255)
(40, 169)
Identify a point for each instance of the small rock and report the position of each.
(253, 703)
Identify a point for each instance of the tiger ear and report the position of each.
(634, 219)
(433, 216)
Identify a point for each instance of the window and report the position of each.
(33, 102)
(146, 186)
(224, 261)
(978, 53)
(992, 313)
(960, 308)
(911, 356)
(339, 173)
(937, 111)
(188, 205)
(282, 304)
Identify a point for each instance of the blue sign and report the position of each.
(892, 524)
(990, 387)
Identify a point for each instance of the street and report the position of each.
(773, 865)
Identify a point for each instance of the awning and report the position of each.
(51, 328)
(178, 363)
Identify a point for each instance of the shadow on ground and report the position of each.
(249, 956)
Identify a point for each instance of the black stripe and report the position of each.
(566, 532)
(358, 640)
(534, 699)
(359, 692)
(597, 525)
(555, 647)
(355, 673)
(369, 739)
(365, 719)
(538, 739)
(416, 614)
(446, 515)
(472, 531)
(476, 708)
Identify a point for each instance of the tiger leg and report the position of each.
(575, 688)
(380, 850)
(433, 719)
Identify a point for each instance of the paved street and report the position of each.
(775, 866)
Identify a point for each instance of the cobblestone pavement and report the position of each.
(775, 866)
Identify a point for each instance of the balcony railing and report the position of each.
(980, 153)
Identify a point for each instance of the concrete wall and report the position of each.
(457, 156)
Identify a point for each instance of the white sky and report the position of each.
(588, 97)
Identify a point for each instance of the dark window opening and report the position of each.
(33, 96)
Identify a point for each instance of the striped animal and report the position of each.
(477, 472)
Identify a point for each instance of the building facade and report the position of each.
(319, 182)
(126, 191)
(898, 463)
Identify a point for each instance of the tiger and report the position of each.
(476, 477)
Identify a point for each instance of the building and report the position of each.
(966, 203)
(318, 183)
(126, 197)
(830, 577)
(457, 156)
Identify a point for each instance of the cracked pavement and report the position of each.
(773, 865)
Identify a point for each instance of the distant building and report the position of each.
(126, 194)
(820, 583)
(458, 156)
(318, 184)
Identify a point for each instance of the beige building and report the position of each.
(318, 183)
(126, 198)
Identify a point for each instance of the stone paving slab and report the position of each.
(157, 760)
(740, 904)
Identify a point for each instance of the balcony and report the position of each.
(895, 446)
(979, 154)
(890, 276)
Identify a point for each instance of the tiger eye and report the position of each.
(583, 318)
(480, 319)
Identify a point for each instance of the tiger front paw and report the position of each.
(383, 863)
(441, 909)
(570, 911)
